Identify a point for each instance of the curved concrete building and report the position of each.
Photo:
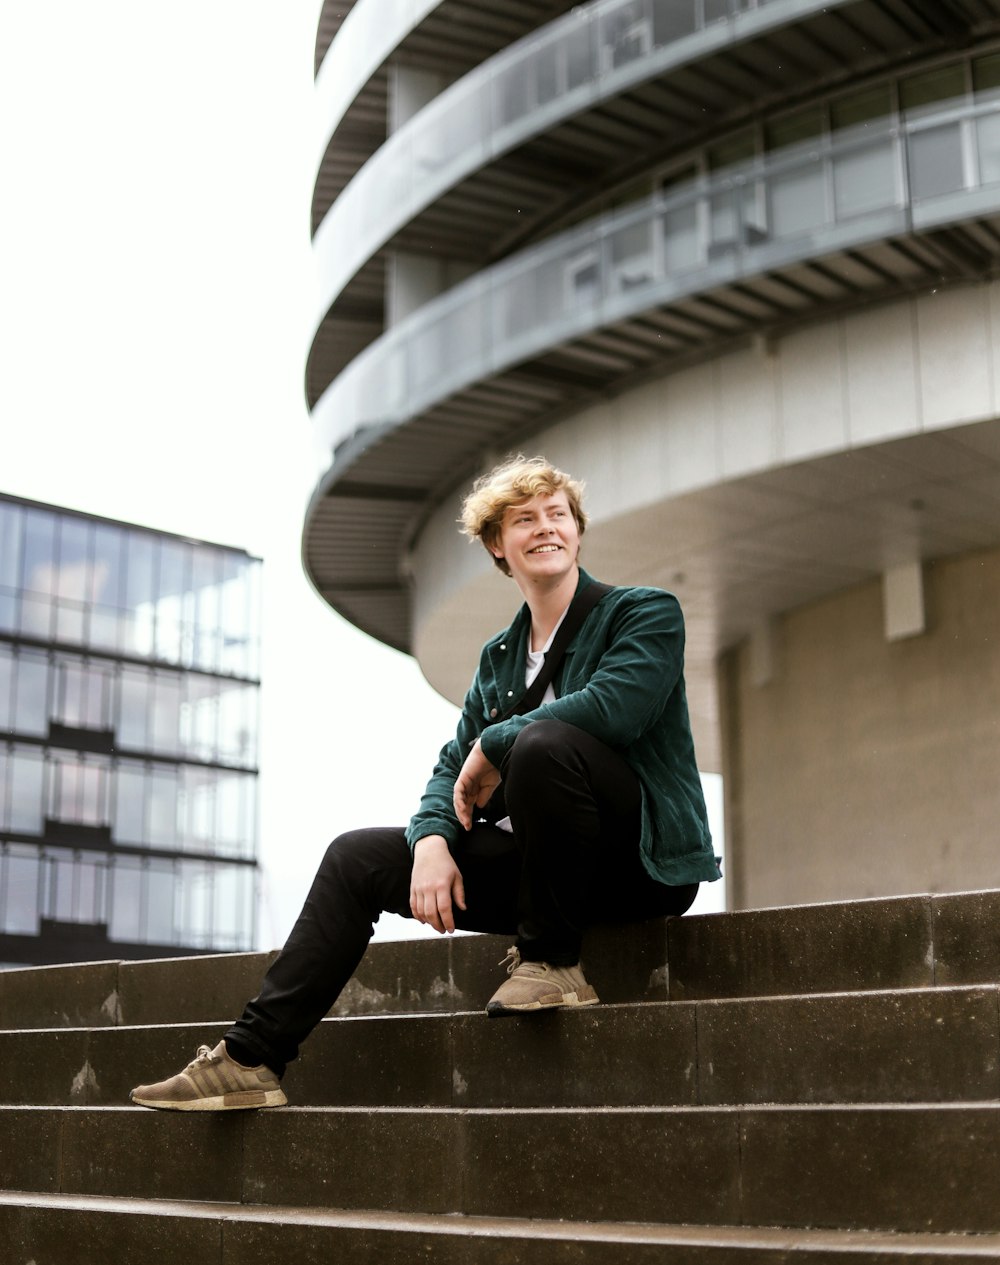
(736, 264)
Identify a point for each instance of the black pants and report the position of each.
(572, 860)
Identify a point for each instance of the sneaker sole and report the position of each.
(568, 1001)
(245, 1100)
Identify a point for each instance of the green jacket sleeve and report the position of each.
(618, 684)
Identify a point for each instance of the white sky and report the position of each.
(157, 293)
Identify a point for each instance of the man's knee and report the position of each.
(538, 749)
(357, 853)
(541, 738)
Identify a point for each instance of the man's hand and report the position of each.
(476, 782)
(435, 883)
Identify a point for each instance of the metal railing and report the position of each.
(592, 52)
(881, 179)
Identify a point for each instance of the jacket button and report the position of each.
(503, 647)
(493, 712)
(510, 693)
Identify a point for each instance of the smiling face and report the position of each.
(539, 540)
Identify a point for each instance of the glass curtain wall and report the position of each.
(128, 732)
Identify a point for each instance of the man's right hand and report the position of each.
(435, 883)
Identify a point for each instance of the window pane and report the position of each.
(132, 728)
(580, 58)
(90, 889)
(73, 577)
(232, 917)
(235, 616)
(199, 809)
(106, 624)
(21, 891)
(11, 535)
(194, 898)
(206, 576)
(82, 695)
(166, 713)
(31, 710)
(139, 591)
(77, 792)
(864, 179)
(6, 687)
(988, 140)
(625, 34)
(162, 824)
(199, 718)
(57, 885)
(126, 900)
(160, 884)
(25, 769)
(671, 20)
(94, 793)
(935, 161)
(717, 10)
(630, 250)
(238, 725)
(681, 243)
(173, 598)
(236, 804)
(39, 573)
(798, 200)
(130, 794)
(40, 551)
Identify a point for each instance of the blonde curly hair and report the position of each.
(513, 482)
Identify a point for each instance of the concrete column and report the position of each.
(409, 91)
(903, 601)
(413, 280)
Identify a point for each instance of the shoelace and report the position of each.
(202, 1055)
(512, 961)
(534, 969)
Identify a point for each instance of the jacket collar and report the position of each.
(517, 629)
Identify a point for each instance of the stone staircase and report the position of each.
(815, 1084)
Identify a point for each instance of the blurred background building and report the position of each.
(735, 263)
(129, 688)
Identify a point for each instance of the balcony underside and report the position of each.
(387, 479)
(527, 191)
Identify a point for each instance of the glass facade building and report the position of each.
(129, 681)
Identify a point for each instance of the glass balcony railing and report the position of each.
(594, 51)
(884, 178)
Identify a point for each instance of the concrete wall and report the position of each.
(737, 482)
(866, 767)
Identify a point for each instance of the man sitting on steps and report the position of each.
(569, 795)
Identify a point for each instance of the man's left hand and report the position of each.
(476, 782)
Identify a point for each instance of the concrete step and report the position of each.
(98, 1230)
(903, 942)
(918, 1168)
(922, 1045)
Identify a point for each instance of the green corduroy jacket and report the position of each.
(622, 681)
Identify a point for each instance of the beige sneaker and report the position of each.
(212, 1081)
(539, 986)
